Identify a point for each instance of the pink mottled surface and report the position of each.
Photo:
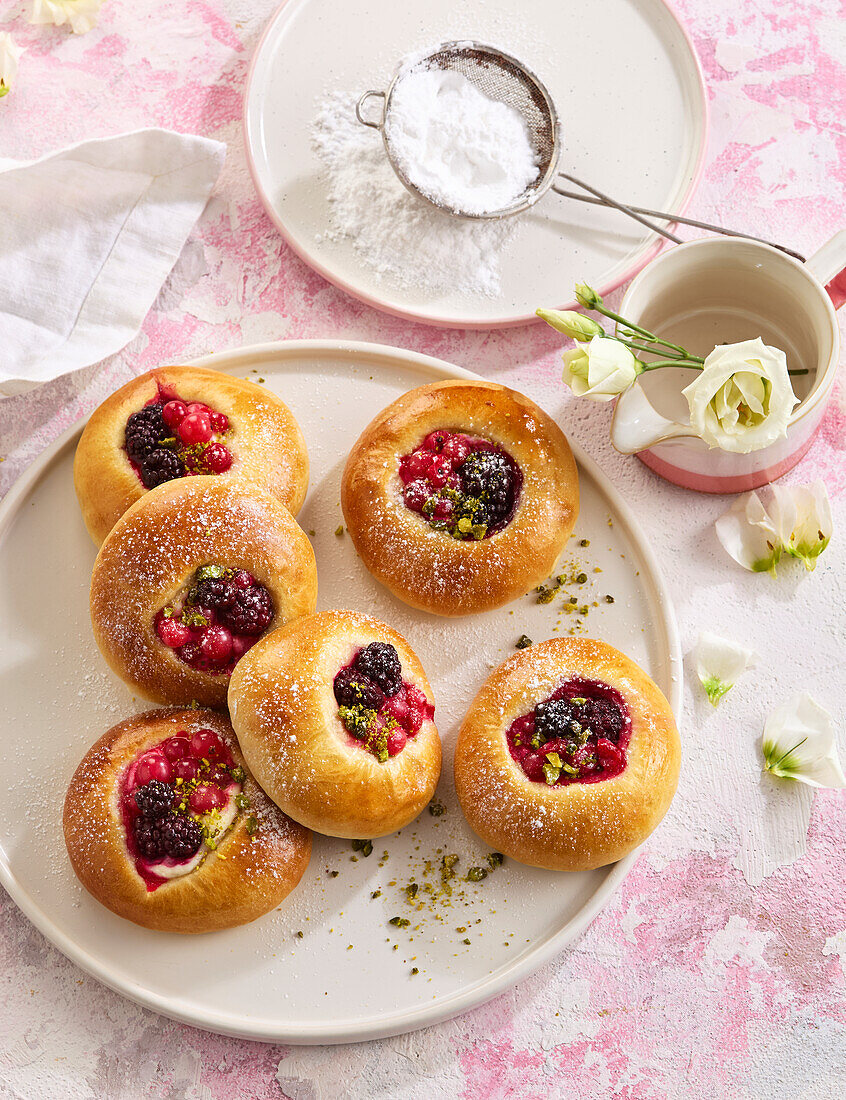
(720, 968)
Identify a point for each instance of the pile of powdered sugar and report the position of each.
(402, 238)
(470, 153)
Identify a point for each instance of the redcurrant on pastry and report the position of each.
(166, 827)
(176, 422)
(568, 757)
(460, 496)
(334, 715)
(190, 578)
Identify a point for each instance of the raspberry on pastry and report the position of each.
(190, 578)
(176, 422)
(335, 718)
(568, 757)
(460, 496)
(165, 826)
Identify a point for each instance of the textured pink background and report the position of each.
(720, 969)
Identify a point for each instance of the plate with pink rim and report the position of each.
(629, 92)
(351, 974)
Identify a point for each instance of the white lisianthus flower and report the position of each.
(798, 743)
(796, 522)
(81, 14)
(801, 516)
(572, 324)
(602, 370)
(10, 53)
(742, 398)
(719, 664)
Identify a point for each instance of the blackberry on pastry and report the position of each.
(176, 422)
(335, 718)
(190, 578)
(568, 757)
(165, 826)
(460, 496)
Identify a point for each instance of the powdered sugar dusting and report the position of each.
(463, 150)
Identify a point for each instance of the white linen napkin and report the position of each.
(87, 238)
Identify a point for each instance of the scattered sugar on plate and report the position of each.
(403, 239)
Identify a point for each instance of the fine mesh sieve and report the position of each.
(501, 77)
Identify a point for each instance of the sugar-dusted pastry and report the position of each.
(177, 421)
(334, 715)
(460, 496)
(568, 757)
(190, 578)
(165, 826)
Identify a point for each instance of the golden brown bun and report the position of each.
(582, 825)
(153, 552)
(254, 875)
(284, 711)
(265, 439)
(429, 569)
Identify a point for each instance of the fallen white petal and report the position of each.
(802, 514)
(747, 534)
(719, 664)
(798, 743)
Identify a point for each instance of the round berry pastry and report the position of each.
(460, 496)
(165, 826)
(568, 757)
(334, 715)
(190, 578)
(176, 422)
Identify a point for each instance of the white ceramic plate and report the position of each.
(262, 981)
(629, 91)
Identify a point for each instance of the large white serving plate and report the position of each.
(629, 91)
(262, 981)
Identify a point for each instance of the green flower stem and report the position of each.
(666, 344)
(692, 362)
(628, 324)
(651, 351)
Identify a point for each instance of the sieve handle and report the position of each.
(358, 109)
(634, 211)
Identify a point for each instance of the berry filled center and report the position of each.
(178, 800)
(170, 438)
(220, 616)
(578, 735)
(463, 485)
(378, 708)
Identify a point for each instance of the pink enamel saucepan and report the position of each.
(722, 290)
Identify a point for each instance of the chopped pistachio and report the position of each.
(209, 572)
(523, 642)
(476, 874)
(551, 773)
(400, 922)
